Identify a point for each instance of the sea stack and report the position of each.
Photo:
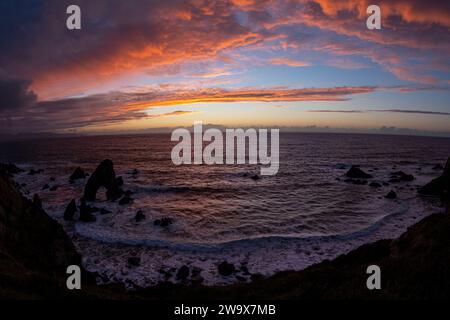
(103, 176)
(70, 210)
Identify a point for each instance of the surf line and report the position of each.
(234, 144)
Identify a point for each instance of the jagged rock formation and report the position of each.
(78, 173)
(34, 249)
(86, 212)
(439, 187)
(103, 176)
(70, 211)
(10, 168)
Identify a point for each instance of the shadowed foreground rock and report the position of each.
(103, 176)
(10, 168)
(34, 249)
(439, 187)
(70, 211)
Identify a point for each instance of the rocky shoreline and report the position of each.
(34, 252)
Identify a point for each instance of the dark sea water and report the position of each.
(302, 215)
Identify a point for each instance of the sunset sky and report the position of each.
(147, 64)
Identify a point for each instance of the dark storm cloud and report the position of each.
(15, 94)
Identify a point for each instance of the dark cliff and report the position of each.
(34, 249)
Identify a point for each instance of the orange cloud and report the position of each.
(289, 62)
(116, 107)
(409, 10)
(176, 113)
(161, 37)
(215, 95)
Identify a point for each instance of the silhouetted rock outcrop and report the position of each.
(391, 195)
(134, 261)
(104, 211)
(103, 176)
(32, 171)
(86, 212)
(139, 216)
(183, 273)
(357, 173)
(401, 176)
(70, 210)
(78, 173)
(34, 249)
(225, 268)
(439, 187)
(163, 222)
(119, 181)
(375, 184)
(125, 200)
(10, 168)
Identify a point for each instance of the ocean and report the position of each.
(303, 215)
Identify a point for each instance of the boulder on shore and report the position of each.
(401, 176)
(32, 171)
(125, 200)
(357, 173)
(163, 222)
(439, 187)
(119, 181)
(183, 273)
(391, 195)
(70, 210)
(139, 216)
(86, 212)
(103, 176)
(375, 184)
(78, 173)
(134, 261)
(225, 268)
